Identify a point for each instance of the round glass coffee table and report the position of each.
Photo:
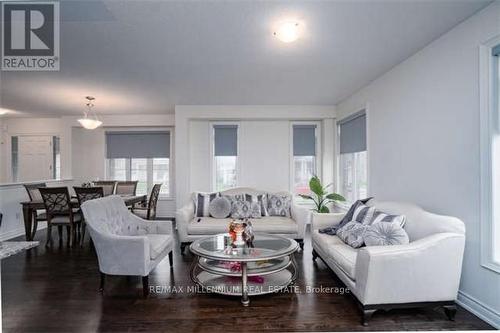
(267, 267)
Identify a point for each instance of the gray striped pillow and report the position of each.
(202, 203)
(379, 216)
(363, 214)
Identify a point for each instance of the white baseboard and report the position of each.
(19, 232)
(478, 308)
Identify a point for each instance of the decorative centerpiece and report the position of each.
(236, 230)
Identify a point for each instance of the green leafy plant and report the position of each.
(320, 196)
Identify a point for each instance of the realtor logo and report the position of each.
(30, 36)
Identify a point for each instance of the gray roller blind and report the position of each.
(353, 133)
(496, 51)
(304, 140)
(137, 144)
(225, 140)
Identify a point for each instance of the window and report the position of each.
(490, 154)
(352, 162)
(225, 156)
(142, 156)
(304, 165)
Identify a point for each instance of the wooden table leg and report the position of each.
(28, 221)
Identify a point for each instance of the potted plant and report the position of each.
(320, 196)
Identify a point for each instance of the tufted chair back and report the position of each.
(109, 215)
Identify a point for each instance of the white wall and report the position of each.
(264, 144)
(423, 141)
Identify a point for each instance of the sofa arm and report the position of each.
(325, 220)
(425, 270)
(121, 255)
(301, 216)
(183, 216)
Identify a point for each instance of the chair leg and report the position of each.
(49, 235)
(314, 254)
(60, 232)
(101, 286)
(366, 316)
(450, 311)
(83, 234)
(171, 259)
(145, 286)
(35, 228)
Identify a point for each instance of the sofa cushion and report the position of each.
(279, 205)
(352, 234)
(271, 225)
(339, 252)
(202, 202)
(260, 199)
(385, 233)
(157, 244)
(220, 207)
(245, 210)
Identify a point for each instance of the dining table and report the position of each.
(29, 207)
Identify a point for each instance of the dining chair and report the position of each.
(149, 212)
(57, 202)
(85, 194)
(108, 186)
(34, 195)
(126, 187)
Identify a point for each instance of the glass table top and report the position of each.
(264, 247)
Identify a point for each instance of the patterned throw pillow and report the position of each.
(261, 199)
(384, 233)
(244, 209)
(279, 205)
(379, 216)
(202, 203)
(352, 233)
(220, 208)
(346, 219)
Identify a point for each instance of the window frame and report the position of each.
(489, 113)
(211, 125)
(338, 187)
(128, 164)
(319, 155)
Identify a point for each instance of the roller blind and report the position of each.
(137, 144)
(353, 133)
(304, 140)
(225, 140)
(496, 51)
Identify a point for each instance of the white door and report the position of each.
(35, 158)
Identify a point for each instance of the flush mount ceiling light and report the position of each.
(287, 31)
(86, 121)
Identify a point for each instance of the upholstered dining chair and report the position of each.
(85, 194)
(126, 244)
(149, 212)
(57, 203)
(108, 186)
(126, 187)
(34, 195)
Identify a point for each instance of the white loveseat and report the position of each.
(425, 272)
(125, 243)
(191, 228)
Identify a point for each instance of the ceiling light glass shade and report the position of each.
(287, 32)
(89, 124)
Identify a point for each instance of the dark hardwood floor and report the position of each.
(56, 290)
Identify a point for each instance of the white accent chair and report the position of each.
(191, 228)
(425, 272)
(125, 243)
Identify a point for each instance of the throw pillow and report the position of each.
(220, 208)
(363, 214)
(346, 219)
(379, 216)
(245, 210)
(261, 199)
(202, 202)
(384, 233)
(352, 233)
(279, 205)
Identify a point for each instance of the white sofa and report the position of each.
(425, 272)
(125, 243)
(190, 229)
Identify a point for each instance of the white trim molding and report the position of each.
(479, 309)
(488, 130)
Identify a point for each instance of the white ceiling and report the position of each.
(147, 56)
